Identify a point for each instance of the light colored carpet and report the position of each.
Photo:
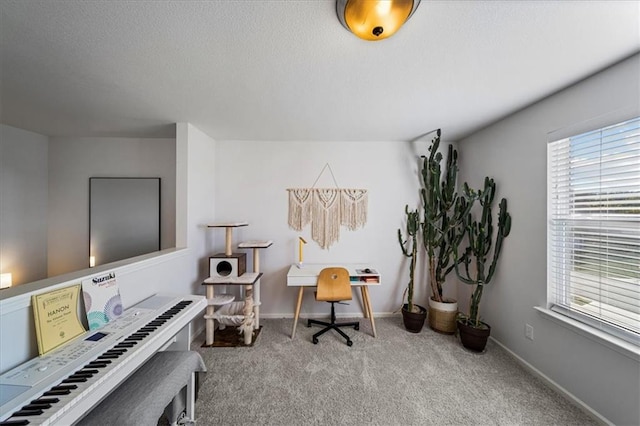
(398, 378)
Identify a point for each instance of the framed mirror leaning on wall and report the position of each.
(124, 218)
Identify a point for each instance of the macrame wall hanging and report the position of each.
(326, 209)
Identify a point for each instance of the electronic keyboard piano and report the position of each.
(63, 385)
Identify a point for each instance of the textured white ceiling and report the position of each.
(287, 70)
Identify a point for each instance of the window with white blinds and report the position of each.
(593, 250)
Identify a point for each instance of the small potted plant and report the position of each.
(442, 230)
(413, 315)
(480, 235)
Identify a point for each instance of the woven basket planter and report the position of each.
(442, 316)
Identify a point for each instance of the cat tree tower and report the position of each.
(229, 268)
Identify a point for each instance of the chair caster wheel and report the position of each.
(315, 341)
(349, 343)
(356, 327)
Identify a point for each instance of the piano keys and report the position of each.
(63, 385)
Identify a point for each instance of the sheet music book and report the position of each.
(101, 299)
(56, 317)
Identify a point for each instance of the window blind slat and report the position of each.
(594, 226)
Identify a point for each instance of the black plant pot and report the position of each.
(474, 338)
(413, 321)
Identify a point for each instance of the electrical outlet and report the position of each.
(528, 331)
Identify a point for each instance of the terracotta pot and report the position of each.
(474, 338)
(413, 321)
(442, 316)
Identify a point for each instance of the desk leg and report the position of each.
(365, 289)
(297, 312)
(365, 304)
(209, 321)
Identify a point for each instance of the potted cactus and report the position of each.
(442, 229)
(480, 235)
(413, 315)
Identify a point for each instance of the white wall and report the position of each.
(200, 203)
(177, 271)
(513, 151)
(72, 161)
(251, 185)
(23, 204)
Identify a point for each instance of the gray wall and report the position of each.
(513, 151)
(23, 204)
(253, 189)
(72, 161)
(179, 271)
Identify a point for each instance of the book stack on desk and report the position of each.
(368, 275)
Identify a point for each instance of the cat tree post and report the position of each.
(222, 265)
(255, 289)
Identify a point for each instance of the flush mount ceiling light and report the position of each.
(375, 19)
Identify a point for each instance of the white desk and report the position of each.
(307, 276)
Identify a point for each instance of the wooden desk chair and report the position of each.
(334, 286)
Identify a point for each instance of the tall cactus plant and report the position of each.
(444, 213)
(409, 248)
(480, 236)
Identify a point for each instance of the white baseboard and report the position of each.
(321, 315)
(198, 325)
(197, 328)
(555, 386)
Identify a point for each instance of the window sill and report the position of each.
(621, 346)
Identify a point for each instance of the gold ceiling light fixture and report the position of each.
(375, 19)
